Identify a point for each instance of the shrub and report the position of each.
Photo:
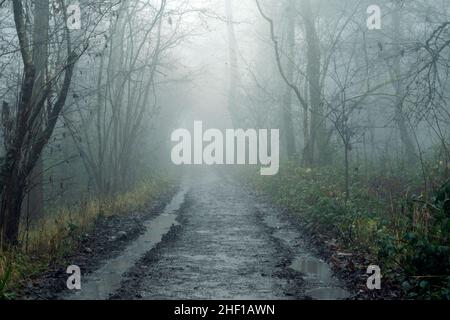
(380, 218)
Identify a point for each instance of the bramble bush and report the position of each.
(405, 231)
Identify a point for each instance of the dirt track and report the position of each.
(214, 240)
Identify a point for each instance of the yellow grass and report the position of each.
(55, 234)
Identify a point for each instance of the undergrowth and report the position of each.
(57, 233)
(386, 217)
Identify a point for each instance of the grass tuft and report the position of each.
(57, 233)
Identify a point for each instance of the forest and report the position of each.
(93, 97)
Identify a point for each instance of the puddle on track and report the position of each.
(317, 273)
(320, 272)
(328, 293)
(312, 268)
(100, 284)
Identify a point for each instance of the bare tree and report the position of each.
(25, 135)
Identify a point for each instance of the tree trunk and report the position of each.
(11, 203)
(347, 177)
(12, 183)
(400, 117)
(317, 146)
(233, 79)
(40, 57)
(288, 129)
(25, 146)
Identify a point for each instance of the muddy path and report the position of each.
(230, 244)
(214, 240)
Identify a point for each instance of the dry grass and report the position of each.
(56, 233)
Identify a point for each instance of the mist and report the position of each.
(322, 118)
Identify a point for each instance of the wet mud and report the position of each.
(229, 244)
(214, 239)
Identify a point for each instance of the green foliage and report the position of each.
(13, 266)
(5, 278)
(406, 234)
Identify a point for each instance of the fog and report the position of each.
(333, 85)
(93, 91)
